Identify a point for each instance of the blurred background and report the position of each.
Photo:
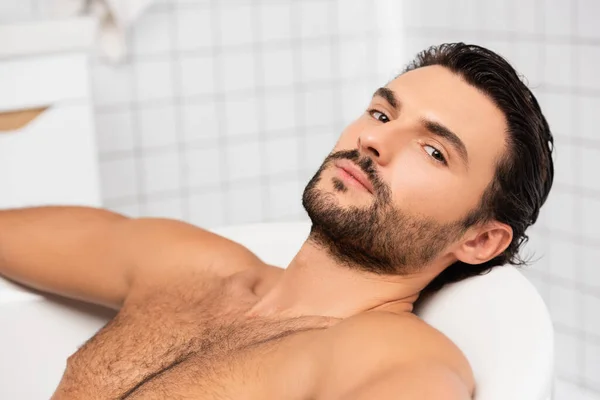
(219, 112)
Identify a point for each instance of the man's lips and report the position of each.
(355, 172)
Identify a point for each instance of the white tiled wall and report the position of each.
(225, 109)
(556, 45)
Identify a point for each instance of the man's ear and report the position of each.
(484, 243)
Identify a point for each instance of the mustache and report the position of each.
(366, 164)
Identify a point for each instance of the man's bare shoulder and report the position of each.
(174, 250)
(374, 342)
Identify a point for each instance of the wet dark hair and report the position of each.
(524, 173)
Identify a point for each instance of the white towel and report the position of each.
(115, 17)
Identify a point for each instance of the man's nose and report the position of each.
(379, 144)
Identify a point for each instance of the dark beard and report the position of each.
(380, 238)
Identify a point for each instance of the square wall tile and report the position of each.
(588, 59)
(285, 198)
(245, 204)
(587, 18)
(193, 28)
(317, 145)
(207, 210)
(203, 167)
(280, 111)
(16, 10)
(526, 17)
(196, 75)
(413, 13)
(558, 110)
(154, 80)
(243, 160)
(275, 21)
(590, 210)
(281, 155)
(384, 17)
(355, 98)
(151, 34)
(565, 171)
(558, 66)
(200, 121)
(316, 62)
(356, 17)
(241, 116)
(114, 130)
(566, 390)
(589, 117)
(112, 84)
(562, 259)
(558, 213)
(591, 310)
(161, 172)
(390, 56)
(591, 266)
(236, 24)
(118, 178)
(567, 356)
(496, 16)
(314, 18)
(277, 67)
(164, 208)
(353, 58)
(525, 58)
(590, 166)
(433, 14)
(237, 70)
(319, 107)
(592, 365)
(564, 304)
(157, 126)
(468, 14)
(557, 17)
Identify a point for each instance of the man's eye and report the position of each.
(379, 116)
(435, 153)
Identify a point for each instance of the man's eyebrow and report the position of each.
(433, 127)
(388, 95)
(440, 130)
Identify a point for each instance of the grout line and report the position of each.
(220, 97)
(410, 32)
(202, 98)
(577, 200)
(137, 137)
(539, 29)
(576, 333)
(210, 142)
(298, 87)
(260, 96)
(281, 177)
(550, 279)
(584, 386)
(336, 69)
(184, 198)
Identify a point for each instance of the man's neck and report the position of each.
(315, 283)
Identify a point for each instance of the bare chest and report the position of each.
(185, 344)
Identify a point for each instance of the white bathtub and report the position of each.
(498, 320)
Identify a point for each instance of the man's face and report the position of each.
(428, 146)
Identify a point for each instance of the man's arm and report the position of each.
(98, 256)
(425, 381)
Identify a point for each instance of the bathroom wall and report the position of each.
(556, 45)
(225, 109)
